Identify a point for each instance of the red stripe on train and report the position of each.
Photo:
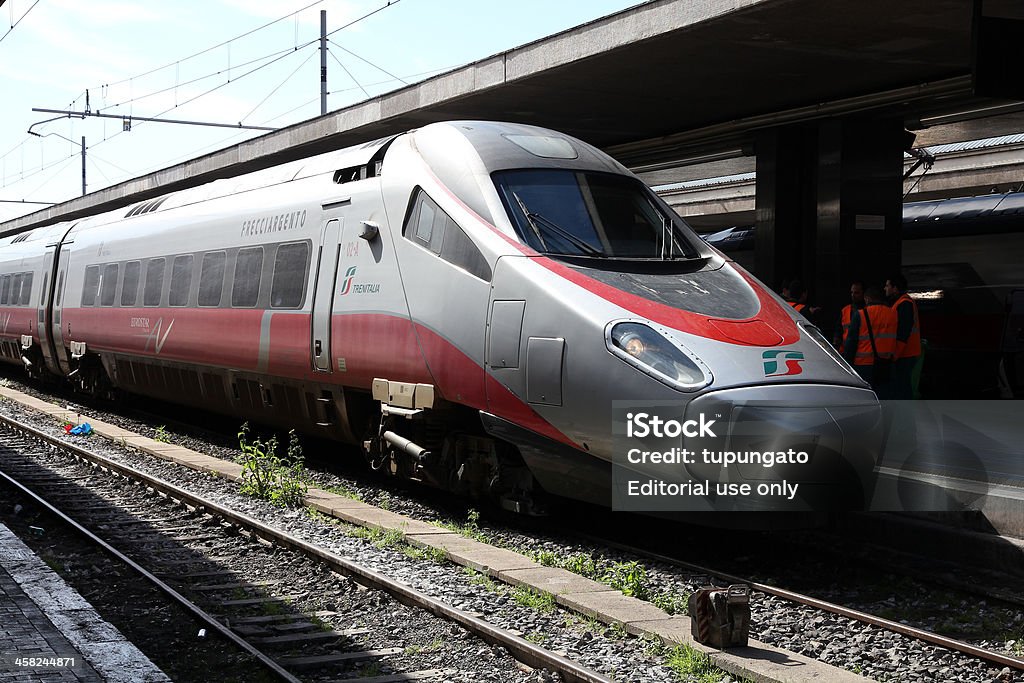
(367, 345)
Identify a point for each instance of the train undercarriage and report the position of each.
(402, 429)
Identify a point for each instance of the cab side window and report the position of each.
(430, 227)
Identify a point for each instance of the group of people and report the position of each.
(878, 332)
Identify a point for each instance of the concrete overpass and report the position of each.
(821, 90)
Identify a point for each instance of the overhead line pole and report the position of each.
(129, 119)
(83, 165)
(323, 62)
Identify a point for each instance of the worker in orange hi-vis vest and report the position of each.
(843, 326)
(796, 296)
(908, 337)
(871, 340)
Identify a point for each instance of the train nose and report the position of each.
(806, 447)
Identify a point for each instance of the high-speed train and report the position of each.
(464, 301)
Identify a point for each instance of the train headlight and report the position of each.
(657, 355)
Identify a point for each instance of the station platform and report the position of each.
(955, 457)
(48, 632)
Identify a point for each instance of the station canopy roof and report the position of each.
(675, 80)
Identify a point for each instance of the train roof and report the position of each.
(335, 162)
(54, 232)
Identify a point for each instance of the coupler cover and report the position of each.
(720, 617)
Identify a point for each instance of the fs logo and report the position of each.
(346, 284)
(793, 360)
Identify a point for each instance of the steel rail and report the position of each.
(190, 606)
(521, 649)
(857, 615)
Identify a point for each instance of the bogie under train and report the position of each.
(463, 301)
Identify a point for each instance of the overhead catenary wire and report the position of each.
(279, 85)
(390, 3)
(25, 176)
(14, 149)
(95, 166)
(228, 82)
(93, 157)
(279, 54)
(15, 23)
(273, 58)
(363, 59)
(349, 73)
(213, 47)
(296, 48)
(219, 143)
(137, 98)
(64, 164)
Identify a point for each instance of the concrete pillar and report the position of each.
(783, 202)
(829, 206)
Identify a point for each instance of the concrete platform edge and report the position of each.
(105, 648)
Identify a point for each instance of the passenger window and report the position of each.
(5, 289)
(108, 285)
(154, 282)
(289, 275)
(130, 286)
(91, 284)
(16, 289)
(211, 278)
(248, 268)
(26, 289)
(181, 280)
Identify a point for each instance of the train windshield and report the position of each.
(580, 213)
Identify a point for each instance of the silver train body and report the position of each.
(464, 302)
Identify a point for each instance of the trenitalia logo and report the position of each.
(346, 284)
(793, 359)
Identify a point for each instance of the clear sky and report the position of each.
(133, 57)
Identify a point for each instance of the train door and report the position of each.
(323, 293)
(58, 334)
(43, 322)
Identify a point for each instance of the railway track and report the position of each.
(725, 578)
(796, 623)
(286, 609)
